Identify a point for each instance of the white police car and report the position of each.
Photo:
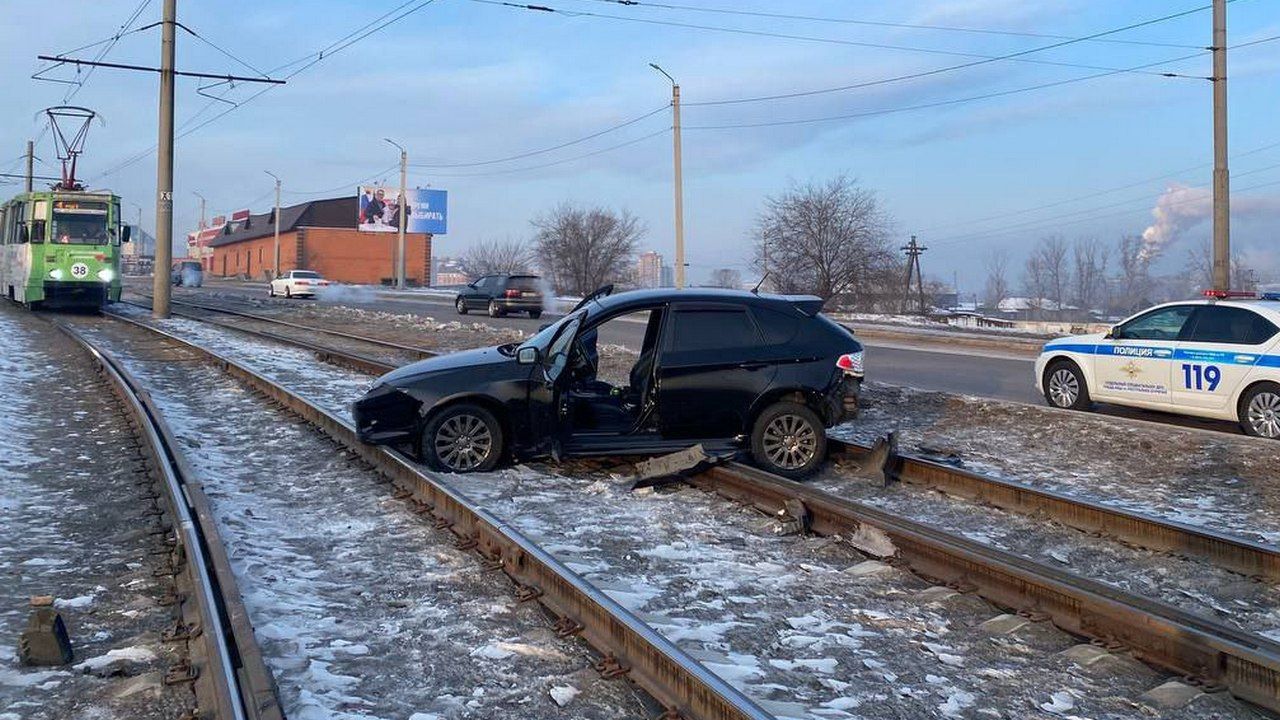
(1214, 358)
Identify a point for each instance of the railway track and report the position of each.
(626, 646)
(1215, 655)
(231, 680)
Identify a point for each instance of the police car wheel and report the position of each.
(1064, 386)
(1260, 411)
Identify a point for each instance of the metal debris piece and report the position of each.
(45, 641)
(673, 467)
(795, 518)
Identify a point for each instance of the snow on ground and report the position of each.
(362, 609)
(808, 626)
(72, 526)
(1193, 585)
(1220, 481)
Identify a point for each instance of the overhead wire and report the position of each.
(542, 151)
(981, 59)
(124, 30)
(310, 60)
(563, 161)
(904, 77)
(883, 23)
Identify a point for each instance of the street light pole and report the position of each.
(1221, 176)
(679, 175)
(160, 287)
(275, 263)
(202, 207)
(401, 201)
(31, 165)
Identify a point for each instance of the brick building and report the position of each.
(320, 235)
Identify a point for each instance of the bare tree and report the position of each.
(1090, 258)
(997, 264)
(725, 278)
(496, 256)
(827, 240)
(581, 249)
(1052, 254)
(1035, 283)
(1199, 271)
(1135, 275)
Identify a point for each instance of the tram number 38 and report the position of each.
(1198, 376)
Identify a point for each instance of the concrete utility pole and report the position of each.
(275, 262)
(202, 206)
(403, 205)
(164, 166)
(679, 175)
(1221, 176)
(31, 165)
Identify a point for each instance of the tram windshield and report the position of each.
(83, 224)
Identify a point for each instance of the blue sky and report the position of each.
(461, 81)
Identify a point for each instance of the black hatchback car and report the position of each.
(726, 369)
(502, 294)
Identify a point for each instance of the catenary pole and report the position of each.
(164, 166)
(1221, 176)
(31, 165)
(678, 174)
(275, 251)
(402, 204)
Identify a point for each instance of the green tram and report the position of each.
(61, 248)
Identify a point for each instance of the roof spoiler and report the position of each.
(807, 304)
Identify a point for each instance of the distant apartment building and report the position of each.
(668, 276)
(649, 270)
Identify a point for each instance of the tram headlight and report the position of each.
(106, 274)
(56, 273)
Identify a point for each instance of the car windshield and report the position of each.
(79, 228)
(306, 274)
(543, 339)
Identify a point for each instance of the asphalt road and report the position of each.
(927, 366)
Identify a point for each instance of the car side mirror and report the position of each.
(1112, 333)
(528, 356)
(125, 233)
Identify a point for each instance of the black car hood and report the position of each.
(444, 363)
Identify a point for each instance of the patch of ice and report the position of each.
(1059, 703)
(136, 654)
(956, 703)
(563, 694)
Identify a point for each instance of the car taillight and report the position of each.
(512, 294)
(850, 363)
(304, 282)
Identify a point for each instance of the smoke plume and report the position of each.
(1177, 210)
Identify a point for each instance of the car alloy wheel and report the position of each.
(463, 442)
(1263, 414)
(790, 442)
(461, 305)
(1064, 388)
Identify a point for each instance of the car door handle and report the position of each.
(753, 365)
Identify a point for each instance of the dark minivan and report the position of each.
(502, 294)
(726, 369)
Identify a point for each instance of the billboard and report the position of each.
(428, 210)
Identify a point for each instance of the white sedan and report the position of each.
(295, 283)
(1214, 358)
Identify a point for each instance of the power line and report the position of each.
(1101, 193)
(886, 24)
(950, 68)
(220, 49)
(1015, 57)
(1043, 224)
(924, 106)
(310, 60)
(601, 151)
(553, 148)
(124, 30)
(344, 186)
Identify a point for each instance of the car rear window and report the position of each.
(524, 283)
(1222, 324)
(306, 274)
(779, 327)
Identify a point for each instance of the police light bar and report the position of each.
(1271, 296)
(1223, 294)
